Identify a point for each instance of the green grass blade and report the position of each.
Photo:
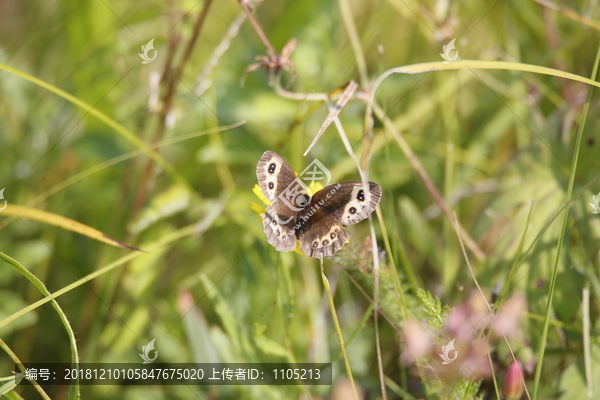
(223, 311)
(515, 265)
(134, 153)
(359, 327)
(540, 362)
(13, 396)
(476, 64)
(568, 13)
(171, 237)
(74, 392)
(338, 330)
(16, 360)
(124, 132)
(64, 223)
(10, 385)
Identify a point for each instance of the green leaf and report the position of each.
(221, 308)
(10, 304)
(63, 222)
(267, 345)
(433, 307)
(572, 382)
(197, 330)
(88, 109)
(11, 383)
(171, 201)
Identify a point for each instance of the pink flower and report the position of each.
(418, 341)
(509, 317)
(513, 381)
(467, 318)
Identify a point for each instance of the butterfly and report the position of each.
(318, 222)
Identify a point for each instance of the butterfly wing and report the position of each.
(320, 226)
(320, 235)
(274, 176)
(278, 224)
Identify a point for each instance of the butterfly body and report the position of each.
(317, 221)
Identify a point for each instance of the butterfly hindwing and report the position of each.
(321, 235)
(278, 224)
(274, 176)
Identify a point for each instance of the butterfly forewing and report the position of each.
(274, 176)
(348, 203)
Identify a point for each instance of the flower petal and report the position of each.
(258, 192)
(257, 208)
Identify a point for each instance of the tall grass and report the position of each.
(100, 150)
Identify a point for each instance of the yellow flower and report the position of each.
(313, 188)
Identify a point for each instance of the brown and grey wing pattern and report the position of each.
(319, 234)
(278, 224)
(348, 202)
(274, 175)
(320, 225)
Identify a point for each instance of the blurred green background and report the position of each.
(495, 143)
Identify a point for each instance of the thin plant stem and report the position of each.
(223, 171)
(105, 164)
(171, 237)
(16, 360)
(568, 13)
(195, 34)
(203, 79)
(170, 82)
(359, 327)
(355, 42)
(394, 387)
(587, 357)
(561, 238)
(515, 265)
(258, 29)
(472, 272)
(496, 389)
(74, 393)
(388, 249)
(338, 330)
(467, 390)
(120, 129)
(416, 164)
(375, 252)
(370, 300)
